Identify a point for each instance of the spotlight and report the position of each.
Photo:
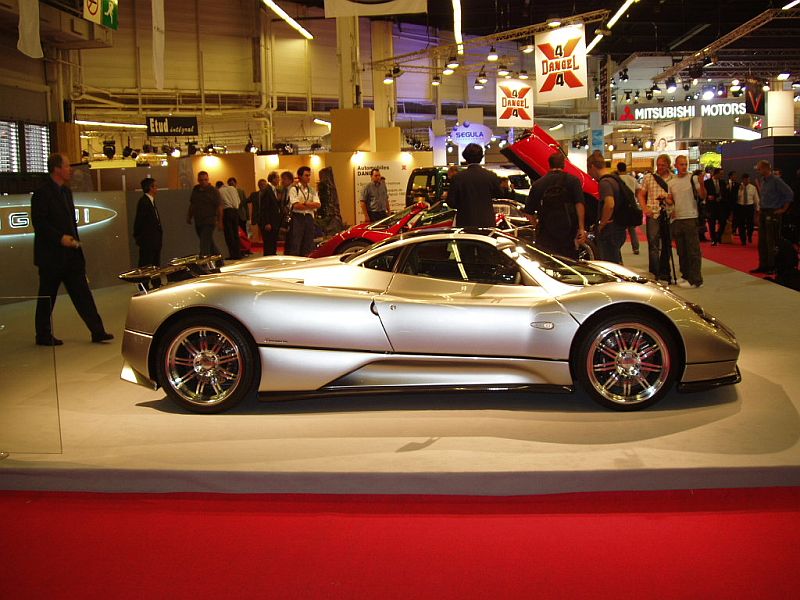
(765, 87)
(388, 79)
(597, 92)
(396, 71)
(109, 148)
(166, 149)
(251, 147)
(655, 89)
(686, 86)
(175, 152)
(623, 75)
(671, 85)
(192, 148)
(627, 97)
(447, 71)
(709, 61)
(502, 71)
(783, 76)
(613, 83)
(720, 90)
(648, 94)
(436, 80)
(492, 56)
(482, 76)
(209, 149)
(523, 74)
(508, 75)
(134, 154)
(452, 62)
(127, 151)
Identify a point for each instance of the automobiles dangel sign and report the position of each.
(163, 126)
(672, 111)
(471, 133)
(16, 219)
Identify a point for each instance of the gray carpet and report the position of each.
(99, 433)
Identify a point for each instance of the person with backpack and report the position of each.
(618, 208)
(652, 198)
(682, 197)
(557, 201)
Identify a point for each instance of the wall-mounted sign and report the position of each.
(514, 103)
(102, 12)
(396, 174)
(674, 110)
(170, 126)
(471, 133)
(561, 64)
(16, 219)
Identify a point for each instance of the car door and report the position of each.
(467, 298)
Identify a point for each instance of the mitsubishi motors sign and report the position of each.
(561, 64)
(726, 107)
(514, 103)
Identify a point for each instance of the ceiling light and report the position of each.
(613, 82)
(623, 75)
(176, 152)
(611, 147)
(477, 85)
(482, 76)
(447, 71)
(457, 33)
(627, 96)
(436, 80)
(671, 85)
(765, 87)
(527, 48)
(388, 79)
(492, 56)
(556, 127)
(655, 89)
(796, 84)
(689, 98)
(784, 76)
(523, 74)
(686, 86)
(107, 124)
(292, 23)
(502, 71)
(791, 4)
(619, 13)
(694, 81)
(708, 93)
(594, 42)
(452, 62)
(709, 61)
(554, 22)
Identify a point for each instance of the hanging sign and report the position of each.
(168, 126)
(675, 110)
(102, 12)
(561, 64)
(470, 133)
(514, 103)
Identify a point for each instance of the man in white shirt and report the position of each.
(682, 192)
(303, 201)
(747, 205)
(229, 219)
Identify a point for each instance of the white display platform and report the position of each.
(118, 437)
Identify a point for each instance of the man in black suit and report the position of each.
(269, 215)
(716, 193)
(58, 254)
(147, 225)
(472, 191)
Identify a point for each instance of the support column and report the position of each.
(385, 95)
(347, 50)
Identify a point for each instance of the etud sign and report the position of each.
(672, 111)
(561, 64)
(514, 103)
(169, 126)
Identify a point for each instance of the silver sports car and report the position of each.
(429, 309)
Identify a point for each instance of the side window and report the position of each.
(462, 260)
(383, 262)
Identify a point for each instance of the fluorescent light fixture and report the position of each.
(593, 43)
(688, 35)
(619, 13)
(556, 127)
(107, 124)
(285, 16)
(323, 122)
(457, 26)
(791, 4)
(784, 76)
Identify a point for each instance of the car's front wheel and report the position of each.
(353, 246)
(207, 364)
(627, 362)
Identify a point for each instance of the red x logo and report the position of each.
(516, 102)
(561, 71)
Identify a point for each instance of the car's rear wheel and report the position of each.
(207, 364)
(627, 363)
(353, 245)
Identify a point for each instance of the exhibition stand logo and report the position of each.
(471, 133)
(515, 102)
(16, 219)
(559, 65)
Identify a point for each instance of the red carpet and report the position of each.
(676, 544)
(734, 255)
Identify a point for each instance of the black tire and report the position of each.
(207, 364)
(351, 245)
(588, 251)
(626, 362)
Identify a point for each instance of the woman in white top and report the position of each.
(747, 204)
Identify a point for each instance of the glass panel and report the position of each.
(9, 147)
(29, 415)
(37, 147)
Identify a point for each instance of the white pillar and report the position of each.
(385, 95)
(347, 51)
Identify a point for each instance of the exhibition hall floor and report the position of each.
(115, 436)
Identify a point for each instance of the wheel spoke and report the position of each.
(607, 366)
(621, 345)
(651, 367)
(190, 348)
(611, 381)
(648, 352)
(182, 362)
(636, 341)
(607, 350)
(626, 387)
(229, 359)
(643, 382)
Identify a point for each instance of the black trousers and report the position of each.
(230, 227)
(270, 239)
(300, 239)
(80, 294)
(149, 255)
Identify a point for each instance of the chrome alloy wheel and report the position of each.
(203, 365)
(628, 363)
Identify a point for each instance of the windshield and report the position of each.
(437, 214)
(394, 218)
(560, 268)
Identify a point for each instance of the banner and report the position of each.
(171, 126)
(396, 174)
(158, 42)
(369, 8)
(561, 64)
(514, 103)
(29, 42)
(723, 107)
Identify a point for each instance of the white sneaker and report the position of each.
(682, 283)
(697, 285)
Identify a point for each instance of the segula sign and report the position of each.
(172, 126)
(674, 110)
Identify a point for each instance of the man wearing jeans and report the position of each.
(684, 223)
(776, 196)
(652, 197)
(610, 236)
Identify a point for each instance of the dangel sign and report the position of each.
(670, 112)
(16, 219)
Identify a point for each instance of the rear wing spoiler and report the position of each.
(178, 269)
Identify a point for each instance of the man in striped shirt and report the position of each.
(652, 197)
